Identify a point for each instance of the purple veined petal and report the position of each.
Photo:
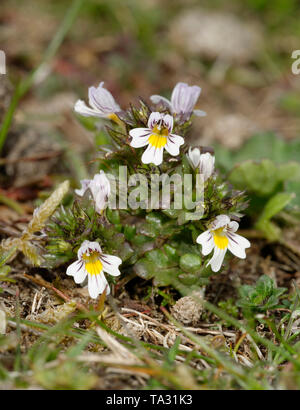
(100, 183)
(176, 97)
(184, 98)
(159, 99)
(233, 226)
(189, 98)
(154, 118)
(173, 144)
(101, 189)
(168, 122)
(87, 247)
(220, 222)
(111, 264)
(235, 249)
(238, 240)
(172, 148)
(205, 239)
(140, 137)
(193, 95)
(102, 100)
(77, 270)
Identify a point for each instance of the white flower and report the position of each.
(183, 100)
(92, 263)
(219, 237)
(205, 162)
(102, 104)
(157, 136)
(100, 189)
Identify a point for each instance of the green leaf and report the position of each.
(260, 297)
(190, 262)
(276, 204)
(272, 207)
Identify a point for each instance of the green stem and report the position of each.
(12, 204)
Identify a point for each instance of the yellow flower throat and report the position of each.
(220, 238)
(92, 262)
(158, 138)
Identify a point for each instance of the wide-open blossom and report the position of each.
(204, 162)
(100, 190)
(219, 237)
(158, 136)
(183, 100)
(92, 263)
(102, 104)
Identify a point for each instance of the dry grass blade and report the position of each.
(42, 213)
(39, 219)
(120, 360)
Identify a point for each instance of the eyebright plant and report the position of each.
(92, 263)
(130, 207)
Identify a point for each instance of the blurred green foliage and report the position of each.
(268, 168)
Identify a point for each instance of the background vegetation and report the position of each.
(244, 334)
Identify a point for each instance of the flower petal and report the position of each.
(233, 226)
(194, 157)
(102, 100)
(140, 137)
(206, 240)
(152, 155)
(177, 97)
(217, 259)
(154, 118)
(82, 109)
(237, 245)
(173, 144)
(220, 221)
(184, 98)
(77, 270)
(206, 165)
(199, 113)
(111, 264)
(158, 156)
(168, 121)
(84, 186)
(97, 284)
(100, 188)
(87, 247)
(158, 99)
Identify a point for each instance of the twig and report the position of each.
(62, 295)
(38, 157)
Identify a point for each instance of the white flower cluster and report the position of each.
(158, 136)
